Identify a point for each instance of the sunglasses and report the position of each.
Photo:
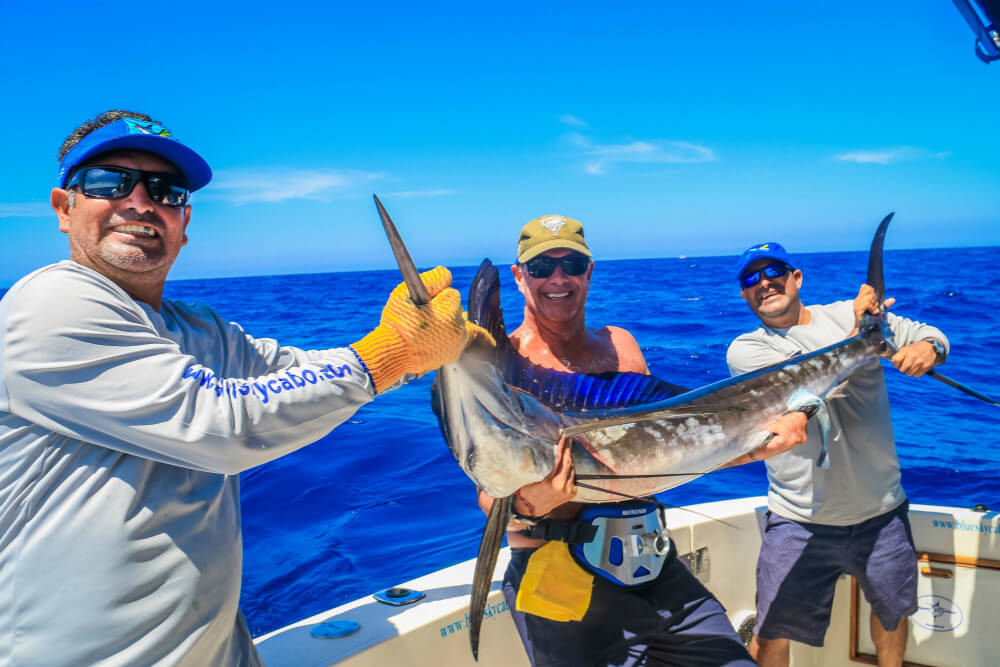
(771, 271)
(543, 267)
(118, 182)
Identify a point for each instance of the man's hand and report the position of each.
(477, 334)
(413, 339)
(789, 431)
(867, 302)
(556, 489)
(915, 359)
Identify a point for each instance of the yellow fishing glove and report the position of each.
(415, 339)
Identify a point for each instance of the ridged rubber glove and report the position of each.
(415, 339)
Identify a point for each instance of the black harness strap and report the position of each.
(571, 532)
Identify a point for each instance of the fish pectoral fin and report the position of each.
(840, 391)
(812, 405)
(656, 415)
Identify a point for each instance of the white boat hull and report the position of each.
(958, 590)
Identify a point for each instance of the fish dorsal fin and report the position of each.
(579, 392)
(557, 389)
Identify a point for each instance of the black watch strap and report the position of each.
(938, 350)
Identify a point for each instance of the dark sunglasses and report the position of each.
(118, 182)
(543, 267)
(771, 271)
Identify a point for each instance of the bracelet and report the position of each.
(751, 456)
(525, 520)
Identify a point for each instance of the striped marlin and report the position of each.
(632, 435)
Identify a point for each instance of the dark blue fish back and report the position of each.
(566, 392)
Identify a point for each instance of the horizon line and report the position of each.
(464, 266)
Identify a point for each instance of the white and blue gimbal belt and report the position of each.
(626, 543)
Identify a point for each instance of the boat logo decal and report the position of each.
(937, 613)
(491, 611)
(967, 526)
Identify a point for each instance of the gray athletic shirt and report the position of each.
(863, 478)
(122, 431)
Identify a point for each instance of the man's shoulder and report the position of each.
(626, 348)
(755, 349)
(62, 281)
(619, 335)
(837, 309)
(749, 338)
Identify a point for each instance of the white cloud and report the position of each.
(652, 151)
(570, 119)
(422, 193)
(25, 210)
(276, 185)
(890, 155)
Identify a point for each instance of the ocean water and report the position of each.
(380, 500)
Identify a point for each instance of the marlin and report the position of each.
(632, 435)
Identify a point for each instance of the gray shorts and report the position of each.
(800, 563)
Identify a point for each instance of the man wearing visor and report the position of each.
(594, 611)
(852, 516)
(126, 418)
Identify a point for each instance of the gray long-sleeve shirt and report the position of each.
(863, 479)
(122, 431)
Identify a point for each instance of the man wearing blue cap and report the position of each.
(125, 418)
(852, 516)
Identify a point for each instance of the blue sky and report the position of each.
(667, 129)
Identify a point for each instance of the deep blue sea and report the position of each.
(381, 500)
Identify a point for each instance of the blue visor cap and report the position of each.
(761, 251)
(140, 135)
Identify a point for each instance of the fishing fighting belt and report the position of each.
(626, 543)
(630, 545)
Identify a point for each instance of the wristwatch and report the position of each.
(938, 350)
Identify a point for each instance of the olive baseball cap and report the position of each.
(550, 232)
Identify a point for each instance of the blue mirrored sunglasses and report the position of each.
(771, 271)
(113, 182)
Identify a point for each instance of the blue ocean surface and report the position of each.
(380, 500)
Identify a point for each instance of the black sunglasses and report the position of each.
(771, 271)
(109, 182)
(543, 267)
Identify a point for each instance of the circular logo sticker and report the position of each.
(937, 613)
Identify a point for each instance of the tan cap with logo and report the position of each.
(550, 232)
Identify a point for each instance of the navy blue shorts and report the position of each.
(800, 563)
(673, 620)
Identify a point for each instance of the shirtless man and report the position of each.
(670, 619)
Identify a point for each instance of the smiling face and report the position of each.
(775, 300)
(132, 241)
(558, 299)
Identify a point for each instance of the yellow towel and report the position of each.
(554, 585)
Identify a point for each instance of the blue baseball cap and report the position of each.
(760, 251)
(140, 135)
